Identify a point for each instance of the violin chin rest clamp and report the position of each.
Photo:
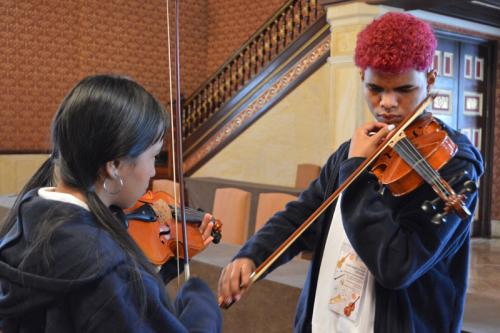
(145, 213)
(438, 219)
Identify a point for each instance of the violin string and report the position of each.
(167, 3)
(194, 212)
(414, 158)
(408, 156)
(420, 164)
(438, 181)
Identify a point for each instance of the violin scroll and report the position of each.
(216, 231)
(455, 202)
(414, 157)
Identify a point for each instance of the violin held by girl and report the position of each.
(152, 223)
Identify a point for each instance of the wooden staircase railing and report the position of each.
(281, 30)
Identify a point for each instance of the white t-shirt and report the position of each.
(341, 276)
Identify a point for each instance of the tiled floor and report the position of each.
(482, 309)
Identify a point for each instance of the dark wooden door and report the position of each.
(465, 101)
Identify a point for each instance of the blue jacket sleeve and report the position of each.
(110, 305)
(392, 235)
(168, 270)
(284, 223)
(196, 307)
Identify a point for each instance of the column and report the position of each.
(348, 109)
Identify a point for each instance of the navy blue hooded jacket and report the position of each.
(420, 268)
(83, 282)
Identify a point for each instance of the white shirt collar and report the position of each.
(50, 194)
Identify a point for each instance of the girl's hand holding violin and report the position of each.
(205, 228)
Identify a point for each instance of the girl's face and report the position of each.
(136, 175)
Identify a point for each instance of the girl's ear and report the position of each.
(111, 169)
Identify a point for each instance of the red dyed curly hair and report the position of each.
(395, 43)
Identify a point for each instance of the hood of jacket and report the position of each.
(32, 276)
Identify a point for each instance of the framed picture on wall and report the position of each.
(473, 103)
(442, 103)
(479, 68)
(448, 64)
(436, 63)
(468, 66)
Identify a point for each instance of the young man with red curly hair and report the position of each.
(379, 264)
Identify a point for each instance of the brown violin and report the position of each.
(151, 223)
(424, 138)
(414, 158)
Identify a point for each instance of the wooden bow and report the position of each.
(176, 140)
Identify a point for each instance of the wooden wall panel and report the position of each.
(231, 23)
(495, 205)
(48, 46)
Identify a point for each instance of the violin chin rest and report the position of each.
(144, 213)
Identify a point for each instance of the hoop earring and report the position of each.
(105, 186)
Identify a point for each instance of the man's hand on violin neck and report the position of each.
(235, 280)
(367, 138)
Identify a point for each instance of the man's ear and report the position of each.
(362, 75)
(431, 79)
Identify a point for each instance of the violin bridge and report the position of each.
(396, 138)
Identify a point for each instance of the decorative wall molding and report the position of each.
(465, 27)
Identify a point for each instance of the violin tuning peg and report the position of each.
(457, 177)
(428, 207)
(469, 187)
(438, 219)
(217, 237)
(381, 190)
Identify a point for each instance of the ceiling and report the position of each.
(480, 11)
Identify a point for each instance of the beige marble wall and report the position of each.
(296, 130)
(495, 228)
(347, 101)
(15, 170)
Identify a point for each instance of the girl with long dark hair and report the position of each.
(67, 263)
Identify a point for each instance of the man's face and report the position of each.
(391, 97)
